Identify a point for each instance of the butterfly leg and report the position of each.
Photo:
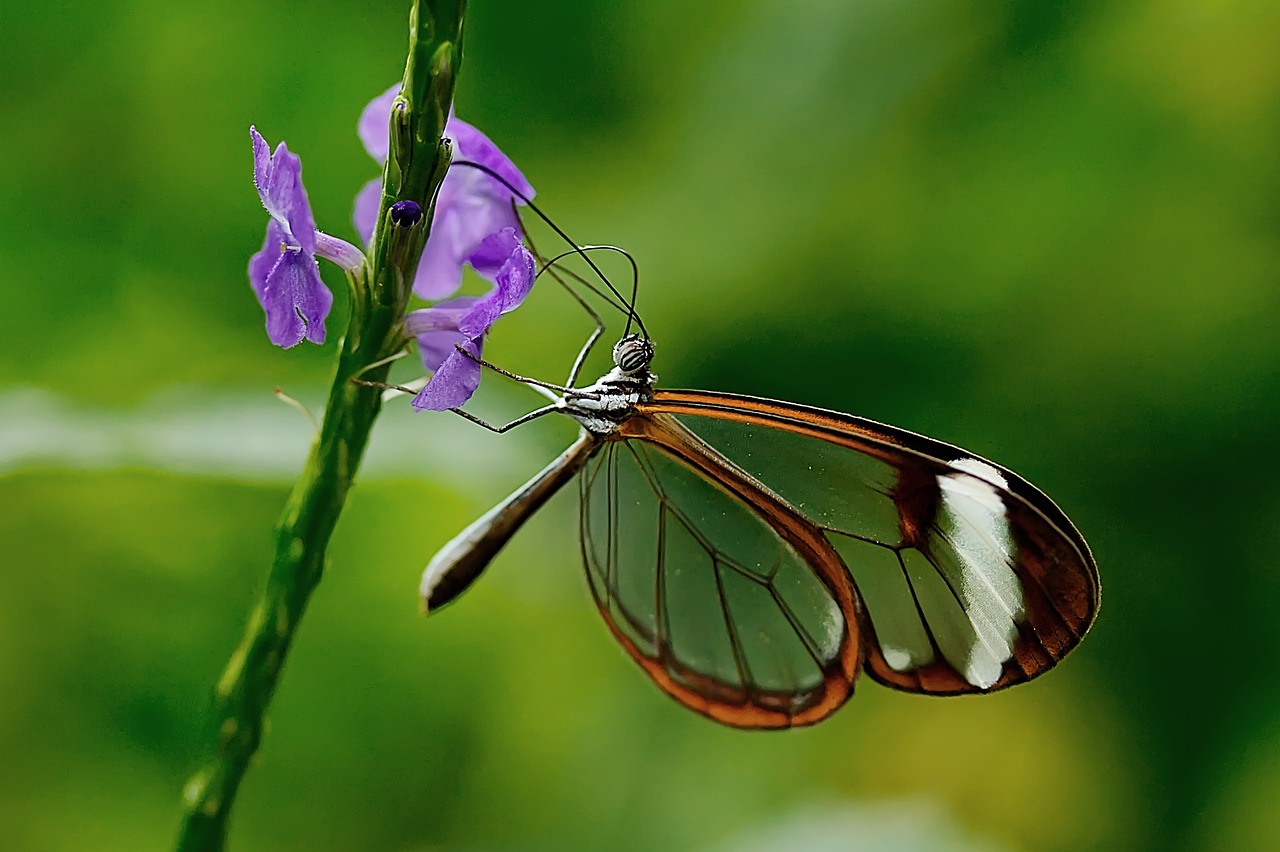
(534, 383)
(355, 378)
(532, 415)
(385, 386)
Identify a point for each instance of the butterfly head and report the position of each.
(633, 354)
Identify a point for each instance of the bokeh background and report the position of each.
(1044, 230)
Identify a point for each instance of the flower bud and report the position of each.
(405, 214)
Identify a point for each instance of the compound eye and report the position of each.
(632, 354)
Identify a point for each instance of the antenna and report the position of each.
(581, 251)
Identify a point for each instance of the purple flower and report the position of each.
(465, 320)
(284, 274)
(471, 205)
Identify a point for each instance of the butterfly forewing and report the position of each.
(970, 578)
(724, 612)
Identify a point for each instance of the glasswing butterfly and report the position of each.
(753, 555)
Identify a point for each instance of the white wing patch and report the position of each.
(898, 659)
(974, 551)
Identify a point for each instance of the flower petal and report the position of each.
(454, 383)
(440, 268)
(296, 300)
(435, 347)
(515, 278)
(261, 159)
(374, 121)
(442, 315)
(436, 328)
(365, 214)
(279, 182)
(494, 251)
(471, 144)
(512, 284)
(261, 264)
(461, 223)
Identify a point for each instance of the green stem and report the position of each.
(379, 299)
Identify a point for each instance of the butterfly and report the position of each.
(753, 556)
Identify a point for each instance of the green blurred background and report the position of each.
(1044, 230)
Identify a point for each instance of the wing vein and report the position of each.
(924, 620)
(735, 642)
(800, 632)
(1000, 655)
(661, 618)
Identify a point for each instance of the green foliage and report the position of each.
(1045, 231)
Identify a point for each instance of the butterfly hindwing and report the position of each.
(711, 587)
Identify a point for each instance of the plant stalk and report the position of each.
(379, 298)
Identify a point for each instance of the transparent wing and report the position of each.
(970, 578)
(722, 606)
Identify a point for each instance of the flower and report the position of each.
(471, 205)
(284, 274)
(464, 321)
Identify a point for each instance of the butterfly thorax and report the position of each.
(602, 407)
